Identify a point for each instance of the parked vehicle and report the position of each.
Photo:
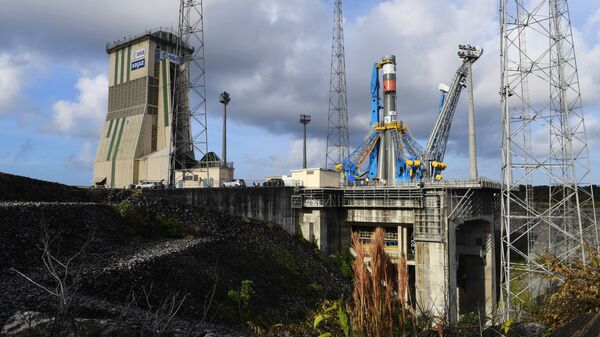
(234, 183)
(150, 185)
(274, 182)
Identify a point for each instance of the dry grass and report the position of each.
(381, 295)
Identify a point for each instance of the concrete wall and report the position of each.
(326, 227)
(271, 204)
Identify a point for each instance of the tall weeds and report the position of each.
(381, 295)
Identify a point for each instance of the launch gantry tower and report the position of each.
(551, 114)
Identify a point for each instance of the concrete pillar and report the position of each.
(452, 268)
(431, 281)
(490, 271)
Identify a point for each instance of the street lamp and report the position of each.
(304, 119)
(225, 99)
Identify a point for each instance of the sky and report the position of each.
(273, 57)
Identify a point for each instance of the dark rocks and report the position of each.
(32, 324)
(527, 330)
(582, 326)
(122, 267)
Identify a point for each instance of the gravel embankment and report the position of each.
(118, 262)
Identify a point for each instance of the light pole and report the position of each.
(304, 119)
(470, 54)
(225, 99)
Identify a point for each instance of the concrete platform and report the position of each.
(445, 229)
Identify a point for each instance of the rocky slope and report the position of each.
(138, 253)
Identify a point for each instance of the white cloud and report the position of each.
(273, 57)
(15, 69)
(84, 159)
(84, 116)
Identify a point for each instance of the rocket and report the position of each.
(389, 88)
(386, 171)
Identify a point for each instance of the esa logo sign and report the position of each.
(138, 54)
(138, 64)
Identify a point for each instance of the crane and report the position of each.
(390, 151)
(433, 155)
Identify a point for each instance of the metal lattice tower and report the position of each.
(337, 125)
(190, 136)
(541, 105)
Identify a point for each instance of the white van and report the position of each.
(234, 183)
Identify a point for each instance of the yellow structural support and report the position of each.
(439, 165)
(412, 163)
(395, 125)
(381, 63)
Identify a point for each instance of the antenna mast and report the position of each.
(337, 124)
(189, 103)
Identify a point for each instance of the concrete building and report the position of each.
(445, 229)
(210, 171)
(136, 138)
(316, 177)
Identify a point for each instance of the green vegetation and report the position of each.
(343, 261)
(137, 221)
(243, 294)
(315, 288)
(333, 319)
(541, 194)
(286, 260)
(169, 227)
(241, 297)
(468, 324)
(163, 226)
(577, 293)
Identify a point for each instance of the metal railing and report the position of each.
(129, 38)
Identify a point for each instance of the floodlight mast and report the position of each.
(224, 99)
(304, 119)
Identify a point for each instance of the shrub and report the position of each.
(332, 319)
(137, 221)
(243, 294)
(344, 260)
(164, 226)
(578, 290)
(315, 288)
(241, 297)
(169, 227)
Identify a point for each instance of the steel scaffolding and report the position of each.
(337, 123)
(189, 103)
(541, 105)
